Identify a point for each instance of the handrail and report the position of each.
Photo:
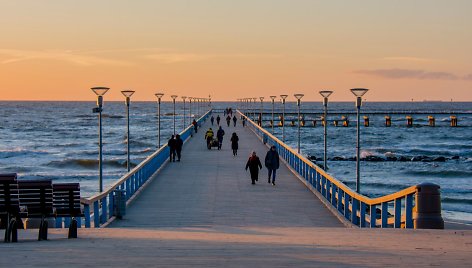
(103, 204)
(355, 207)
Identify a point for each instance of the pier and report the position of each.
(204, 212)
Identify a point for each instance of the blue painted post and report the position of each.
(373, 216)
(384, 215)
(128, 190)
(67, 221)
(318, 182)
(104, 214)
(334, 189)
(355, 208)
(58, 222)
(409, 211)
(323, 184)
(346, 205)
(363, 210)
(111, 207)
(340, 200)
(79, 222)
(96, 214)
(398, 213)
(87, 215)
(328, 188)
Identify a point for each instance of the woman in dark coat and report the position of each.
(234, 143)
(254, 164)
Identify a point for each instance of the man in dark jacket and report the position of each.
(219, 135)
(171, 144)
(272, 163)
(254, 164)
(178, 146)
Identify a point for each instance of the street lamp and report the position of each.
(325, 94)
(100, 91)
(298, 97)
(127, 94)
(173, 100)
(159, 97)
(283, 97)
(273, 104)
(358, 92)
(262, 108)
(183, 99)
(254, 108)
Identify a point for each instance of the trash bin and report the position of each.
(120, 203)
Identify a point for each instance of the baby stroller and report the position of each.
(212, 143)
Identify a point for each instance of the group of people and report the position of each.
(228, 120)
(271, 163)
(175, 146)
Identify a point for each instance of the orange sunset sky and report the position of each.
(401, 50)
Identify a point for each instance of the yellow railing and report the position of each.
(417, 206)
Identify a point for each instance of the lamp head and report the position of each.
(273, 98)
(326, 93)
(359, 92)
(261, 98)
(100, 91)
(298, 96)
(159, 95)
(184, 97)
(173, 97)
(127, 93)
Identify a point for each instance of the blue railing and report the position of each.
(418, 206)
(100, 208)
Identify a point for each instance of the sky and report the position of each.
(400, 50)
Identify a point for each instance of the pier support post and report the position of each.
(431, 121)
(366, 121)
(427, 212)
(409, 121)
(388, 121)
(453, 121)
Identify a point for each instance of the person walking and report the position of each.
(171, 144)
(195, 125)
(218, 120)
(209, 137)
(228, 120)
(254, 164)
(212, 119)
(179, 143)
(234, 143)
(219, 135)
(235, 120)
(272, 163)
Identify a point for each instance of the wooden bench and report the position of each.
(37, 196)
(10, 209)
(66, 202)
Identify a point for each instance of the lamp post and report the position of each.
(262, 109)
(358, 92)
(273, 104)
(159, 97)
(254, 107)
(183, 99)
(283, 97)
(299, 98)
(127, 94)
(173, 101)
(100, 91)
(325, 94)
(190, 109)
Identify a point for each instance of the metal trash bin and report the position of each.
(120, 203)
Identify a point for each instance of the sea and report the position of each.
(59, 140)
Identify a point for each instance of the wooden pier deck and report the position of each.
(204, 212)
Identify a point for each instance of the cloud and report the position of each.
(175, 57)
(410, 59)
(13, 55)
(411, 74)
(467, 77)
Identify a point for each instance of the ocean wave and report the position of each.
(18, 151)
(456, 200)
(86, 163)
(441, 173)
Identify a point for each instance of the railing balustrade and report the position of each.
(98, 209)
(417, 206)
